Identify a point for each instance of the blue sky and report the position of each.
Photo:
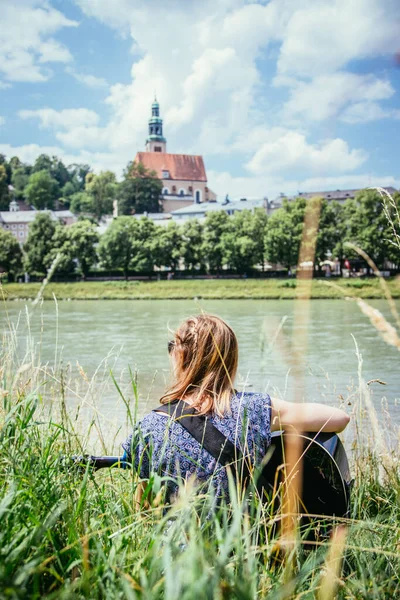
(278, 96)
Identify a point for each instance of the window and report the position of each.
(157, 149)
(21, 234)
(181, 192)
(198, 197)
(174, 188)
(165, 174)
(190, 188)
(21, 226)
(13, 227)
(165, 192)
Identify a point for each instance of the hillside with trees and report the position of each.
(49, 184)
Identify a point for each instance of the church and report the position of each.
(183, 176)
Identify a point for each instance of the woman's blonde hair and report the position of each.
(205, 352)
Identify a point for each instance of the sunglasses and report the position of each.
(171, 346)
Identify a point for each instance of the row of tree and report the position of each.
(240, 242)
(48, 183)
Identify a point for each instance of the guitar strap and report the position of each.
(212, 440)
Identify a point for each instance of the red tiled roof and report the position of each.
(180, 166)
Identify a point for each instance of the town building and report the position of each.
(18, 221)
(330, 195)
(183, 176)
(200, 211)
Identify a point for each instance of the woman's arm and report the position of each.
(307, 416)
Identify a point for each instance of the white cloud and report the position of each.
(4, 85)
(86, 79)
(62, 119)
(26, 42)
(288, 151)
(2, 120)
(363, 112)
(93, 137)
(53, 51)
(324, 36)
(76, 127)
(326, 95)
(115, 14)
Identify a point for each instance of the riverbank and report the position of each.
(268, 289)
(69, 534)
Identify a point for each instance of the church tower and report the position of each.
(155, 141)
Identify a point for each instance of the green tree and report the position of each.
(169, 246)
(4, 195)
(140, 190)
(192, 244)
(119, 246)
(147, 236)
(244, 240)
(83, 239)
(59, 171)
(239, 249)
(368, 227)
(256, 227)
(19, 181)
(331, 232)
(284, 233)
(393, 249)
(7, 166)
(102, 189)
(39, 245)
(215, 225)
(61, 247)
(80, 202)
(42, 190)
(42, 163)
(68, 191)
(15, 163)
(77, 175)
(10, 254)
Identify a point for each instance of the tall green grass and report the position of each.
(65, 534)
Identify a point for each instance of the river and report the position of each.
(96, 337)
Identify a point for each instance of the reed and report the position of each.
(70, 535)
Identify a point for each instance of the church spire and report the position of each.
(155, 141)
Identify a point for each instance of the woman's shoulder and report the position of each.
(254, 406)
(250, 400)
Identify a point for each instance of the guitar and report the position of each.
(326, 479)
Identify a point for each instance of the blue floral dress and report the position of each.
(160, 444)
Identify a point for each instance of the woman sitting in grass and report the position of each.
(204, 355)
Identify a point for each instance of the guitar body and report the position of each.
(326, 480)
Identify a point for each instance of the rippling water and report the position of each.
(100, 336)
